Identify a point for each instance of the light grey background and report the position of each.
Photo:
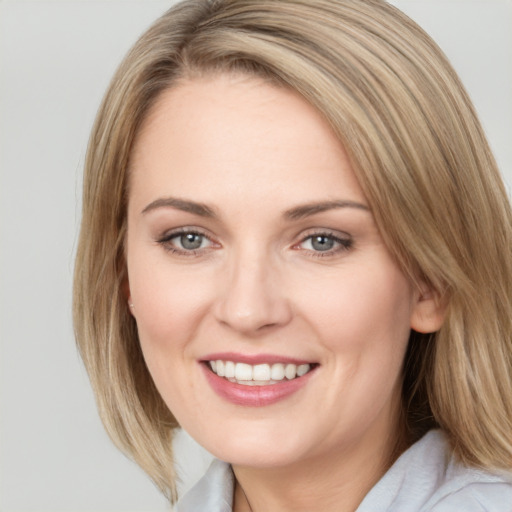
(56, 60)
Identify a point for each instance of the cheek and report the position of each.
(168, 304)
(364, 326)
(363, 322)
(351, 307)
(169, 307)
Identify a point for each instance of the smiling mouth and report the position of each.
(259, 374)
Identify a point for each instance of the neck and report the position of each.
(337, 481)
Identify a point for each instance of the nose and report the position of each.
(252, 299)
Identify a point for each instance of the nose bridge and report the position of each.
(251, 297)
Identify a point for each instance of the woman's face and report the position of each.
(252, 248)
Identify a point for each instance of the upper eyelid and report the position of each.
(171, 233)
(165, 241)
(334, 233)
(342, 238)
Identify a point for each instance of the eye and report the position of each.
(190, 241)
(186, 242)
(325, 244)
(321, 242)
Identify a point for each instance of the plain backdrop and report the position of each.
(56, 58)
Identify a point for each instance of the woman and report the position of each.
(295, 244)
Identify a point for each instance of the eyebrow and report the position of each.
(306, 210)
(295, 213)
(201, 209)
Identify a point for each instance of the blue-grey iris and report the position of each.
(322, 243)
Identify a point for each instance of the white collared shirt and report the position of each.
(425, 478)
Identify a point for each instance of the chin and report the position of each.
(257, 449)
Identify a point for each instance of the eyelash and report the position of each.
(165, 241)
(343, 244)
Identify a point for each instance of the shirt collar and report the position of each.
(214, 492)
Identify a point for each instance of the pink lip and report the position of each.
(253, 359)
(253, 396)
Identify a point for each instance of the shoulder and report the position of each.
(476, 497)
(463, 488)
(427, 478)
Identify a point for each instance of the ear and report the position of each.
(429, 310)
(125, 286)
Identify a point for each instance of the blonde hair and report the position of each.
(420, 155)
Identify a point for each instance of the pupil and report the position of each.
(191, 241)
(322, 243)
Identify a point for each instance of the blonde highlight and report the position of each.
(420, 155)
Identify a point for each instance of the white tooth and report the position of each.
(243, 371)
(277, 372)
(261, 372)
(290, 371)
(229, 369)
(220, 368)
(302, 369)
(213, 365)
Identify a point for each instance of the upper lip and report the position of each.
(254, 359)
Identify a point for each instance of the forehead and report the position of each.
(225, 136)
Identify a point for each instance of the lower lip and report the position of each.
(254, 396)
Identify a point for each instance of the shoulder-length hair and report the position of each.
(420, 156)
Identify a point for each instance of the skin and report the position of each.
(252, 151)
